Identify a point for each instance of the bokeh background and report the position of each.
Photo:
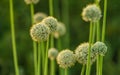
(77, 32)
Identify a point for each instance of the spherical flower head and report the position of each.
(38, 17)
(66, 58)
(52, 53)
(31, 1)
(91, 13)
(39, 32)
(81, 53)
(51, 22)
(61, 30)
(99, 48)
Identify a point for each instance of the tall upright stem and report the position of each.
(43, 54)
(66, 71)
(89, 50)
(103, 32)
(39, 59)
(83, 69)
(93, 32)
(51, 7)
(51, 38)
(104, 21)
(98, 39)
(52, 67)
(13, 38)
(34, 43)
(46, 59)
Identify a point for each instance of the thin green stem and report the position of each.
(59, 46)
(43, 55)
(104, 21)
(46, 59)
(56, 9)
(51, 7)
(66, 71)
(32, 12)
(103, 32)
(52, 67)
(93, 32)
(39, 59)
(34, 43)
(97, 65)
(13, 38)
(83, 70)
(89, 50)
(35, 56)
(52, 41)
(98, 39)
(101, 64)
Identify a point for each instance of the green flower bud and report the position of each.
(91, 13)
(38, 17)
(52, 53)
(99, 48)
(66, 58)
(81, 53)
(39, 32)
(51, 22)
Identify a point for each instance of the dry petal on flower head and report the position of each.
(38, 17)
(39, 32)
(81, 53)
(91, 13)
(51, 22)
(66, 58)
(61, 30)
(52, 53)
(99, 48)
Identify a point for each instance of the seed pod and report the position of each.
(38, 17)
(51, 22)
(52, 53)
(66, 58)
(99, 48)
(39, 32)
(61, 30)
(91, 13)
(81, 53)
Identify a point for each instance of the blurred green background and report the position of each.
(78, 33)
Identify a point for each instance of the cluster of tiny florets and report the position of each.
(51, 22)
(99, 48)
(66, 58)
(31, 1)
(61, 30)
(38, 17)
(81, 53)
(91, 13)
(52, 53)
(39, 32)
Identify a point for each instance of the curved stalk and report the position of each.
(83, 69)
(13, 38)
(89, 50)
(34, 43)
